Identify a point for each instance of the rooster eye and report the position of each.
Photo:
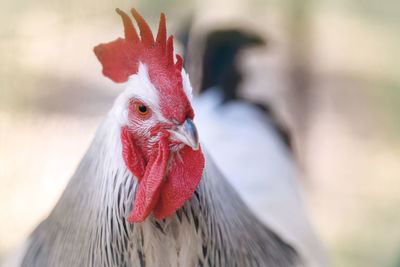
(142, 109)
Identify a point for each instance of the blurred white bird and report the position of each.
(250, 147)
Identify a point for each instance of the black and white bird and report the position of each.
(260, 165)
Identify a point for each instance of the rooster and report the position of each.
(147, 193)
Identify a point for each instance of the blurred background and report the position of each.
(330, 69)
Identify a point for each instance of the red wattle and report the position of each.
(160, 190)
(148, 192)
(182, 179)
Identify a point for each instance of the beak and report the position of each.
(187, 134)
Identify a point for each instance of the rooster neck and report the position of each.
(88, 226)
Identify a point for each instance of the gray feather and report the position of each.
(88, 227)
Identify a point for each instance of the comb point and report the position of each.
(129, 29)
(170, 51)
(179, 62)
(162, 33)
(145, 31)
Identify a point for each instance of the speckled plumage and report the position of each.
(88, 227)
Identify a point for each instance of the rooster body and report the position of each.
(146, 193)
(88, 226)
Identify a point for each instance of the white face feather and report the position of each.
(139, 87)
(187, 87)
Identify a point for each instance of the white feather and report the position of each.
(247, 149)
(141, 88)
(187, 87)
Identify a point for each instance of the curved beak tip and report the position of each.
(187, 133)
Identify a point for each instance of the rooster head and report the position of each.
(160, 144)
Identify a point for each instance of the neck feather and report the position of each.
(88, 226)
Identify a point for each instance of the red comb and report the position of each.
(130, 32)
(162, 33)
(120, 58)
(145, 31)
